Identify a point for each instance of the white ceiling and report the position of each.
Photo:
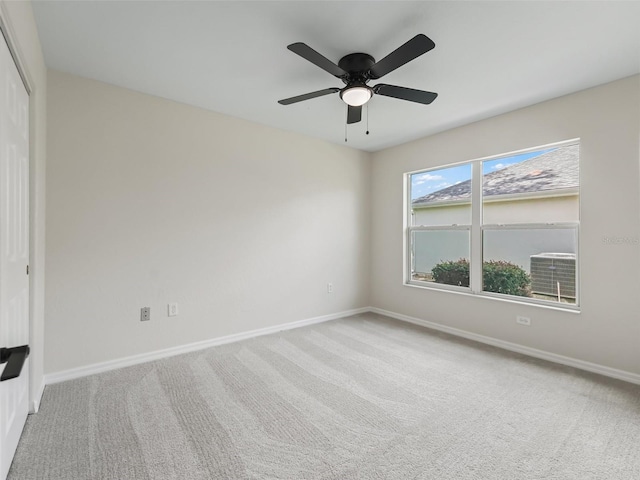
(231, 56)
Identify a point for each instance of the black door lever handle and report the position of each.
(14, 358)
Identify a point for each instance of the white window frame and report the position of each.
(540, 226)
(476, 233)
(425, 228)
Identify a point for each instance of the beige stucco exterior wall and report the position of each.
(529, 210)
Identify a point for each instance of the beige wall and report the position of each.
(606, 332)
(23, 36)
(530, 210)
(459, 214)
(539, 210)
(150, 202)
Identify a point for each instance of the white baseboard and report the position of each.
(35, 401)
(169, 352)
(191, 347)
(514, 347)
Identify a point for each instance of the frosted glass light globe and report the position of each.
(356, 96)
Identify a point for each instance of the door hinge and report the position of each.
(27, 269)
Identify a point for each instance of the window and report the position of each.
(440, 221)
(505, 226)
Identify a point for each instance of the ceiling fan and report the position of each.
(357, 69)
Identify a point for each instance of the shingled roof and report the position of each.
(553, 170)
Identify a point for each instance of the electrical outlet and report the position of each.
(172, 309)
(329, 287)
(145, 314)
(523, 320)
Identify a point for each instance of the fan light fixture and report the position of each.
(356, 96)
(355, 70)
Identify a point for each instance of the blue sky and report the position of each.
(424, 183)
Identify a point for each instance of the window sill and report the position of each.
(494, 297)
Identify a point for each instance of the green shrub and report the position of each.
(452, 273)
(505, 277)
(497, 276)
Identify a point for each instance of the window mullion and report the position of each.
(475, 265)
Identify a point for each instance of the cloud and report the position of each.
(425, 177)
(499, 166)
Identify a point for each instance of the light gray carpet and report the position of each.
(358, 398)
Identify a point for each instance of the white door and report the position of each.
(14, 251)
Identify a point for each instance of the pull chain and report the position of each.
(346, 118)
(367, 118)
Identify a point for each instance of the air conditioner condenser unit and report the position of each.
(549, 269)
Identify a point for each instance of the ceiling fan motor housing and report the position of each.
(357, 65)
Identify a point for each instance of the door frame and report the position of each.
(11, 38)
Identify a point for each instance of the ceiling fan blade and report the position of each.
(354, 114)
(412, 49)
(308, 53)
(404, 93)
(308, 96)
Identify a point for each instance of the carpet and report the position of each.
(363, 397)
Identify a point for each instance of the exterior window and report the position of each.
(512, 230)
(439, 220)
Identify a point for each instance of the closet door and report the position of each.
(14, 256)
